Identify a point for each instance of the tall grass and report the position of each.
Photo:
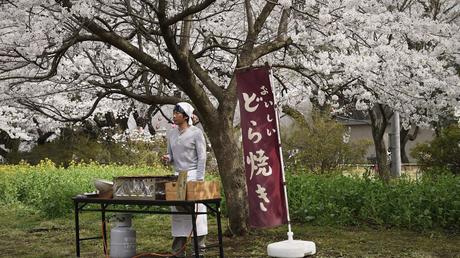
(49, 188)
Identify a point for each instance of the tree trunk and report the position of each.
(229, 160)
(379, 123)
(405, 137)
(10, 149)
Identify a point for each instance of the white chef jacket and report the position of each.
(187, 152)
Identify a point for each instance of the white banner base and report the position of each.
(291, 248)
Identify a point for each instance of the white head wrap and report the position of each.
(188, 110)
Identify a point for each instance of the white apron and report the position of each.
(181, 224)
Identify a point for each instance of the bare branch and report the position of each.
(299, 70)
(189, 11)
(283, 23)
(264, 14)
(269, 47)
(205, 79)
(58, 115)
(249, 16)
(124, 45)
(147, 99)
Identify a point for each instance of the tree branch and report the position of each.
(249, 16)
(264, 14)
(147, 99)
(283, 23)
(205, 79)
(189, 11)
(269, 47)
(60, 117)
(125, 46)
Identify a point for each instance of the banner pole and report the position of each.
(289, 248)
(290, 233)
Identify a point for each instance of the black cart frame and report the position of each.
(110, 205)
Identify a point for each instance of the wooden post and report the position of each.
(181, 185)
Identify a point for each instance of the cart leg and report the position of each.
(195, 237)
(77, 230)
(219, 231)
(104, 228)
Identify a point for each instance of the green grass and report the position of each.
(24, 233)
(344, 216)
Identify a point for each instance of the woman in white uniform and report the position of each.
(187, 152)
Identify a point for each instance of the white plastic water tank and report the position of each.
(122, 237)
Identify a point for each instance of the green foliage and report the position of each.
(428, 203)
(49, 189)
(340, 200)
(320, 145)
(442, 153)
(77, 147)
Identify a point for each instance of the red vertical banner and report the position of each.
(261, 147)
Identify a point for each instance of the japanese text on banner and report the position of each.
(261, 149)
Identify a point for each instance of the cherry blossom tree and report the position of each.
(380, 56)
(64, 61)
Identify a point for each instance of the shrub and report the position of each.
(320, 145)
(428, 203)
(79, 147)
(404, 203)
(49, 188)
(442, 153)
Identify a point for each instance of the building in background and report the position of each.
(361, 129)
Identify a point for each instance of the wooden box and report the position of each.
(201, 190)
(177, 190)
(171, 191)
(196, 190)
